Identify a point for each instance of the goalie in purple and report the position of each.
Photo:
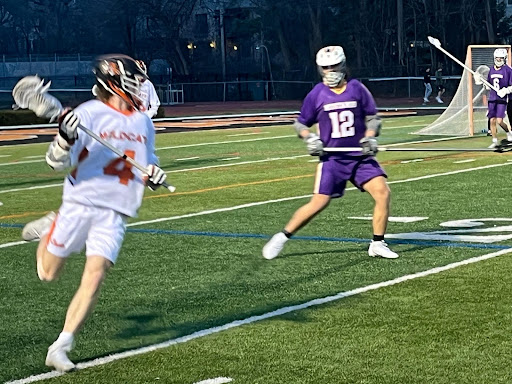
(346, 115)
(500, 77)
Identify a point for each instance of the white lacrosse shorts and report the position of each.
(99, 230)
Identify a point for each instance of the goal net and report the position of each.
(466, 113)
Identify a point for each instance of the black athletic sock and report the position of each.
(378, 237)
(286, 233)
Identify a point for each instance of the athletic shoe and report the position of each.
(439, 100)
(425, 100)
(509, 136)
(381, 249)
(57, 358)
(493, 145)
(37, 228)
(275, 245)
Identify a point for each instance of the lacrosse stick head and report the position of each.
(31, 93)
(435, 42)
(481, 74)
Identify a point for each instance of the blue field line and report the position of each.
(308, 238)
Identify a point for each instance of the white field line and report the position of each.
(247, 134)
(217, 380)
(464, 161)
(265, 316)
(224, 142)
(21, 162)
(403, 126)
(411, 161)
(188, 158)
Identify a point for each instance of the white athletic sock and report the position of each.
(65, 339)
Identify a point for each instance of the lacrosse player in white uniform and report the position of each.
(148, 93)
(100, 192)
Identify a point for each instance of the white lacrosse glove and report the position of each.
(369, 146)
(502, 92)
(68, 124)
(314, 144)
(156, 177)
(478, 78)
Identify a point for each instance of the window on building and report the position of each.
(201, 25)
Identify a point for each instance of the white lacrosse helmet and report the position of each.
(500, 56)
(332, 65)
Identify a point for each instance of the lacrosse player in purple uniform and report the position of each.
(347, 117)
(500, 77)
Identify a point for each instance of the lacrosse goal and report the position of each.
(466, 113)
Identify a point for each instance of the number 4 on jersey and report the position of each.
(121, 168)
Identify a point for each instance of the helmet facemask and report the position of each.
(500, 56)
(332, 75)
(121, 76)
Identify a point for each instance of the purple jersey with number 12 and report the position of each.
(340, 117)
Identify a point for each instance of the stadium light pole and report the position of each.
(258, 47)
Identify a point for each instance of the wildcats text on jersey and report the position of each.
(118, 135)
(340, 105)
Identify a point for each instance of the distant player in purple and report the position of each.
(500, 77)
(347, 117)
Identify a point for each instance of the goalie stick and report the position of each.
(436, 43)
(31, 93)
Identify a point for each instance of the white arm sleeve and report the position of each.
(154, 101)
(58, 156)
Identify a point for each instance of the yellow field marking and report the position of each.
(229, 186)
(23, 215)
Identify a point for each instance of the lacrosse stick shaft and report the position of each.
(388, 149)
(121, 154)
(436, 43)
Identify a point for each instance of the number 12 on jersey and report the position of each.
(342, 124)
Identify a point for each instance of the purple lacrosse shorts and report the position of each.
(496, 110)
(333, 173)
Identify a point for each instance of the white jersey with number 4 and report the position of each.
(100, 177)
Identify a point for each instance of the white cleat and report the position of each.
(493, 145)
(58, 359)
(37, 228)
(438, 99)
(274, 246)
(381, 249)
(509, 137)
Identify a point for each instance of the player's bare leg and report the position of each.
(493, 133)
(505, 127)
(82, 304)
(379, 190)
(48, 265)
(300, 218)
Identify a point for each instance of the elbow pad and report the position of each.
(299, 127)
(373, 123)
(57, 156)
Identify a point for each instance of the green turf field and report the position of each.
(191, 298)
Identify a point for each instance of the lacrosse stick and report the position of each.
(31, 93)
(436, 43)
(499, 148)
